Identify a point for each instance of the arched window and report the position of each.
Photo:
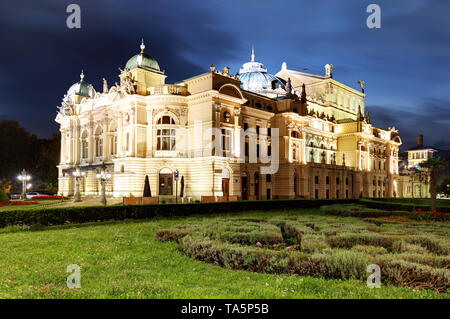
(165, 134)
(166, 120)
(84, 145)
(99, 142)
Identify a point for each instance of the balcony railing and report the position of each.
(167, 89)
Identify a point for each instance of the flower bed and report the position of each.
(18, 202)
(423, 215)
(48, 197)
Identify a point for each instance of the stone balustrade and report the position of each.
(167, 89)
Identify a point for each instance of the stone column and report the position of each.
(71, 146)
(120, 135)
(106, 137)
(91, 147)
(63, 146)
(237, 134)
(149, 134)
(133, 131)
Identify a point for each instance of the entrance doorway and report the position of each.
(244, 185)
(256, 185)
(165, 182)
(226, 187)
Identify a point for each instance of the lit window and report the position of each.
(165, 135)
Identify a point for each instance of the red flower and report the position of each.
(274, 245)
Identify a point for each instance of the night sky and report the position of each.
(406, 63)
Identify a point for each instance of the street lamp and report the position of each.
(103, 175)
(24, 178)
(78, 174)
(176, 174)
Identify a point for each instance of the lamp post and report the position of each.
(176, 174)
(78, 174)
(24, 177)
(103, 175)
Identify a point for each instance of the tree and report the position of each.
(147, 192)
(444, 186)
(432, 165)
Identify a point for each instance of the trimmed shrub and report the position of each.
(83, 214)
(408, 274)
(370, 250)
(359, 211)
(348, 240)
(224, 242)
(313, 243)
(3, 197)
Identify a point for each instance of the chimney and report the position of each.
(420, 139)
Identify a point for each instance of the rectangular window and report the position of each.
(257, 129)
(246, 149)
(245, 126)
(269, 132)
(268, 178)
(84, 146)
(165, 139)
(268, 195)
(226, 142)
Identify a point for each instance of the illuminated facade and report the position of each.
(315, 129)
(414, 180)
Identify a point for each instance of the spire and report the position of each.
(253, 54)
(142, 46)
(303, 96)
(82, 76)
(367, 116)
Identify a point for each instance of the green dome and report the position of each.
(143, 61)
(80, 88)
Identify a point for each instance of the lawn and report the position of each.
(42, 204)
(123, 260)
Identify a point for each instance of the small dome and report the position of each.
(143, 61)
(254, 77)
(79, 88)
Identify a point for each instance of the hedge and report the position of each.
(84, 214)
(394, 206)
(360, 211)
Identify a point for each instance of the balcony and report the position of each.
(167, 89)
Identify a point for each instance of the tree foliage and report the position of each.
(432, 165)
(19, 149)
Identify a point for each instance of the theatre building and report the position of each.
(222, 132)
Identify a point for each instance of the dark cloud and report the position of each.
(431, 118)
(403, 63)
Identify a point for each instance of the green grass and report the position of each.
(42, 204)
(123, 260)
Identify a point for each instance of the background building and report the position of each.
(326, 145)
